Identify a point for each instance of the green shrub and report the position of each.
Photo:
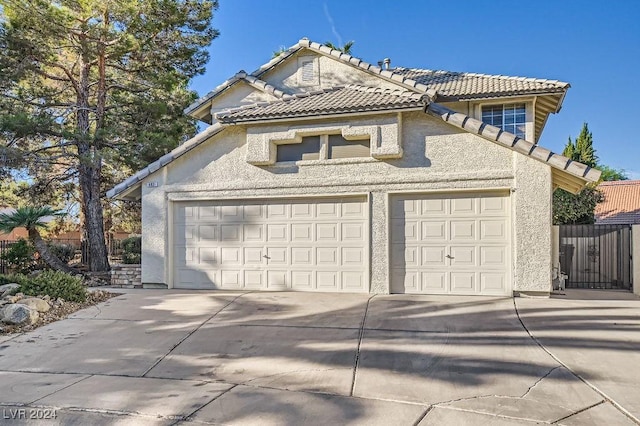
(64, 252)
(131, 250)
(55, 284)
(20, 257)
(14, 278)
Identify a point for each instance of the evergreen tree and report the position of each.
(92, 89)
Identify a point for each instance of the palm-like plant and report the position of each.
(31, 218)
(346, 48)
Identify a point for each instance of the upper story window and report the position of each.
(323, 147)
(510, 118)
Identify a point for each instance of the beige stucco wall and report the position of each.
(241, 93)
(331, 73)
(437, 157)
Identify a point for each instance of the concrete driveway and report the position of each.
(170, 357)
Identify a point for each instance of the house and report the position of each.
(321, 172)
(621, 205)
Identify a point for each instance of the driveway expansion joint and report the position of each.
(192, 332)
(356, 361)
(617, 406)
(540, 380)
(61, 389)
(582, 410)
(188, 417)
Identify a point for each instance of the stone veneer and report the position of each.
(126, 276)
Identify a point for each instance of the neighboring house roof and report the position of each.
(621, 203)
(351, 98)
(463, 85)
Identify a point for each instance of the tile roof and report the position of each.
(463, 85)
(350, 98)
(621, 203)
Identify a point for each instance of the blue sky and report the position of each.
(593, 45)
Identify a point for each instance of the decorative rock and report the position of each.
(18, 314)
(8, 288)
(35, 303)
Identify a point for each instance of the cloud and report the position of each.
(332, 24)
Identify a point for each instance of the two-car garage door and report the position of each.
(281, 244)
(439, 244)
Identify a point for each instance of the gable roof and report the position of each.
(351, 98)
(464, 85)
(450, 85)
(621, 203)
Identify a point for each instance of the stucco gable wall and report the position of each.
(241, 93)
(332, 73)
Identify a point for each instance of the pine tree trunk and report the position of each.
(89, 176)
(46, 255)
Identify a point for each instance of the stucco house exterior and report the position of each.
(321, 172)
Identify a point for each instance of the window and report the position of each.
(510, 118)
(323, 147)
(339, 147)
(308, 149)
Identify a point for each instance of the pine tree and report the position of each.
(93, 88)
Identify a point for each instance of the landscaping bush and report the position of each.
(20, 257)
(13, 278)
(55, 284)
(64, 252)
(131, 250)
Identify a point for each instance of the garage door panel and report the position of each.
(302, 280)
(254, 280)
(277, 256)
(434, 207)
(493, 206)
(277, 232)
(230, 256)
(463, 256)
(327, 232)
(352, 280)
(494, 230)
(433, 282)
(253, 256)
(463, 246)
(327, 280)
(353, 210)
(300, 244)
(253, 233)
(493, 282)
(207, 233)
(434, 230)
(463, 230)
(208, 255)
(433, 256)
(464, 206)
(463, 282)
(276, 279)
(353, 232)
(301, 256)
(352, 257)
(493, 257)
(302, 232)
(327, 210)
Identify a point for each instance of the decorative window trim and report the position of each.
(384, 140)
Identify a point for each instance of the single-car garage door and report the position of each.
(293, 244)
(450, 244)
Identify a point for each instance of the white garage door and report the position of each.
(450, 244)
(294, 244)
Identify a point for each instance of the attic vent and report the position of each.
(307, 71)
